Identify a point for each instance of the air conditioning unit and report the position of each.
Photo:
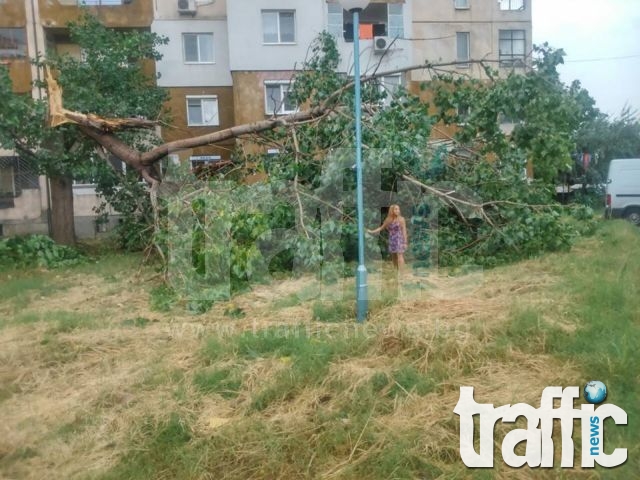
(380, 44)
(187, 7)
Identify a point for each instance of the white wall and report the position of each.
(205, 9)
(172, 69)
(245, 33)
(248, 52)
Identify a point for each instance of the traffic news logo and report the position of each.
(540, 446)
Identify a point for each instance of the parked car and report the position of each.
(623, 189)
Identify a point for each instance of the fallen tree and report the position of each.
(487, 212)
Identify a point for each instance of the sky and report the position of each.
(601, 39)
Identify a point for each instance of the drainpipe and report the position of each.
(35, 44)
(34, 25)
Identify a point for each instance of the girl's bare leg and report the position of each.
(400, 261)
(394, 259)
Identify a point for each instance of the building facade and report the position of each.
(231, 62)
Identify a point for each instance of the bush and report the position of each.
(37, 250)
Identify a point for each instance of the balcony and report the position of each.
(113, 13)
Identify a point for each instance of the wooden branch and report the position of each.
(155, 154)
(107, 124)
(295, 182)
(102, 130)
(455, 202)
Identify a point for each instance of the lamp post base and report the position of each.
(362, 294)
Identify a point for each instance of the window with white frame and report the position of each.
(385, 20)
(278, 26)
(199, 161)
(335, 19)
(198, 47)
(512, 48)
(202, 111)
(395, 21)
(277, 101)
(511, 4)
(101, 2)
(463, 47)
(389, 85)
(461, 4)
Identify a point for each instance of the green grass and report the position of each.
(28, 318)
(18, 288)
(166, 451)
(606, 344)
(307, 355)
(54, 351)
(408, 379)
(291, 300)
(345, 309)
(73, 428)
(604, 285)
(64, 322)
(159, 374)
(337, 311)
(21, 289)
(135, 322)
(225, 381)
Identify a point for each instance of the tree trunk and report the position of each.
(62, 226)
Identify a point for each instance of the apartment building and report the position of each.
(23, 194)
(195, 69)
(270, 40)
(231, 62)
(29, 28)
(496, 31)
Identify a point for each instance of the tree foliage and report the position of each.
(467, 202)
(607, 138)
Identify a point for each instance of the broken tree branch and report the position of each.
(58, 115)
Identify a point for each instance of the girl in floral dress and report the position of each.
(398, 240)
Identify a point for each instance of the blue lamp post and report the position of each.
(355, 7)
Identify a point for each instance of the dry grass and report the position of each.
(75, 401)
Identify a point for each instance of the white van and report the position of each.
(623, 189)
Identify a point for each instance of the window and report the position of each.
(390, 84)
(198, 47)
(395, 27)
(277, 101)
(7, 182)
(462, 49)
(202, 111)
(16, 174)
(463, 111)
(335, 19)
(13, 43)
(278, 26)
(512, 48)
(461, 4)
(511, 4)
(384, 19)
(102, 2)
(199, 161)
